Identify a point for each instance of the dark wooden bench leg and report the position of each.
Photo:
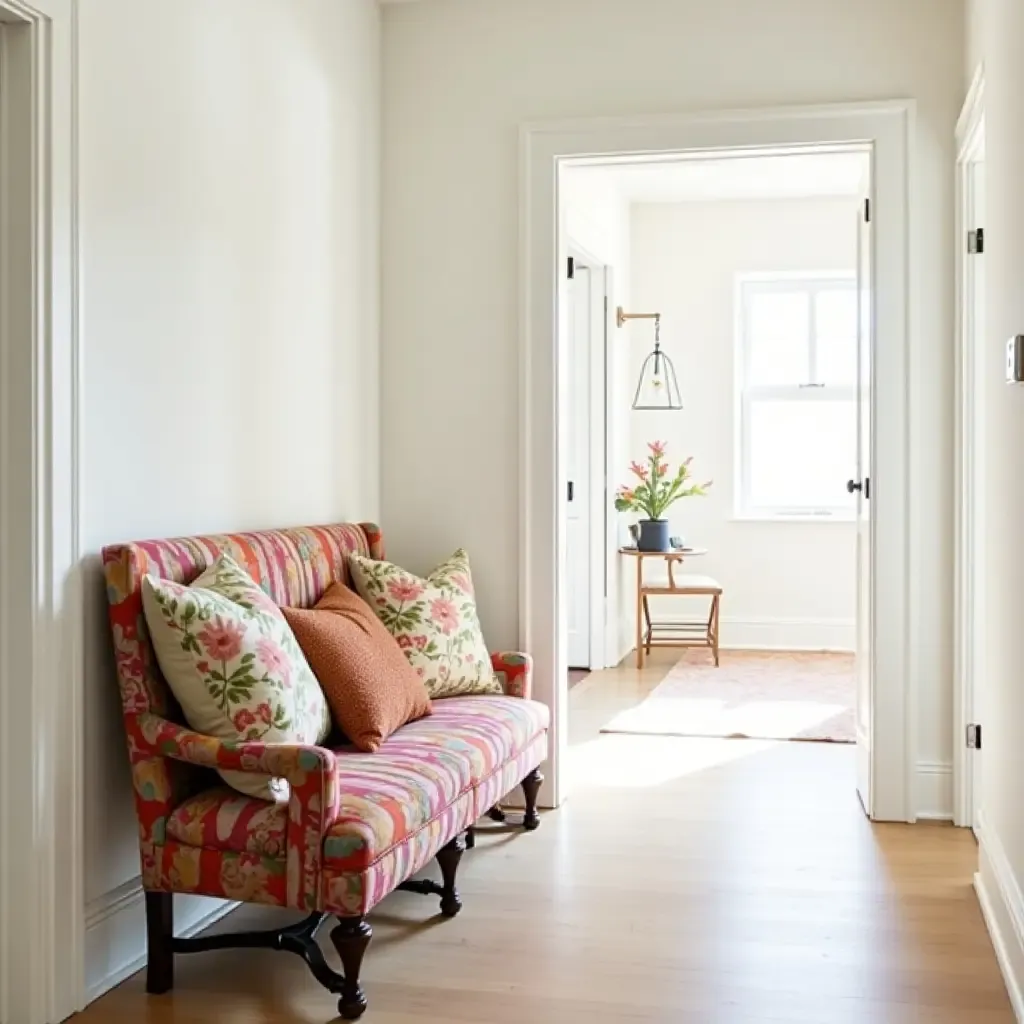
(531, 787)
(470, 837)
(159, 942)
(496, 813)
(448, 858)
(351, 937)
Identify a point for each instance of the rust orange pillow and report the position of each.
(370, 686)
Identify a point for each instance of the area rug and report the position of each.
(756, 695)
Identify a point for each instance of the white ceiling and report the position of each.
(788, 176)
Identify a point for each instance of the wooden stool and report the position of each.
(683, 632)
(679, 634)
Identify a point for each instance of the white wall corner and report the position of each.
(934, 791)
(1002, 907)
(115, 932)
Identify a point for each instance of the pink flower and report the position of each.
(244, 719)
(657, 447)
(404, 642)
(404, 590)
(420, 642)
(203, 666)
(444, 613)
(273, 657)
(627, 494)
(639, 469)
(462, 581)
(263, 711)
(222, 639)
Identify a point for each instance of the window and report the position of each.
(797, 377)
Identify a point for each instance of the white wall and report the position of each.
(1000, 25)
(460, 77)
(788, 585)
(229, 237)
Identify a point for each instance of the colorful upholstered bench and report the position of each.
(356, 827)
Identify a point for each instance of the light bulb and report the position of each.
(656, 381)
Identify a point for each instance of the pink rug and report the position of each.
(754, 694)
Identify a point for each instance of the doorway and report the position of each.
(970, 551)
(760, 323)
(585, 304)
(881, 128)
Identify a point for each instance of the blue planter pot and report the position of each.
(653, 535)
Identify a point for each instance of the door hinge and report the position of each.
(570, 490)
(570, 269)
(974, 736)
(867, 211)
(976, 241)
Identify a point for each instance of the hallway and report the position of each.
(692, 881)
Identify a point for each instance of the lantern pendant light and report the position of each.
(657, 387)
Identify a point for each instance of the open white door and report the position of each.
(861, 484)
(577, 528)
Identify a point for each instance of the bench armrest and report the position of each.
(515, 672)
(294, 762)
(312, 774)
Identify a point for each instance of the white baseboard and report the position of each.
(115, 932)
(1002, 906)
(765, 634)
(934, 791)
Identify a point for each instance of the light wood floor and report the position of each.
(686, 881)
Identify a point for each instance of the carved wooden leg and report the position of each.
(470, 837)
(448, 858)
(496, 813)
(531, 787)
(159, 942)
(351, 937)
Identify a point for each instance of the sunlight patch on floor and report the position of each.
(636, 762)
(697, 716)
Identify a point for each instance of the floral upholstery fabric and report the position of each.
(356, 892)
(197, 837)
(434, 621)
(223, 819)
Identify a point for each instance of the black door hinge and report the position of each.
(570, 489)
(570, 270)
(974, 736)
(976, 241)
(867, 211)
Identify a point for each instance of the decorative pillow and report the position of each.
(371, 688)
(234, 665)
(434, 621)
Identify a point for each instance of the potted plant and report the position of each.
(656, 492)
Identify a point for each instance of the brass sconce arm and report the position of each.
(621, 316)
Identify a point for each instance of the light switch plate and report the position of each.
(1015, 360)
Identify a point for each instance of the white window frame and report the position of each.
(748, 284)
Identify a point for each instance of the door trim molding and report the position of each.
(889, 127)
(970, 139)
(41, 826)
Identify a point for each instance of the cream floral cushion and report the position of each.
(434, 621)
(234, 665)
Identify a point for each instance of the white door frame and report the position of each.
(888, 126)
(41, 834)
(970, 138)
(598, 448)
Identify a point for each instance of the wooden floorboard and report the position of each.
(686, 881)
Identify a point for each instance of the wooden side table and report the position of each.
(684, 633)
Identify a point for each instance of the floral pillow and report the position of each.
(234, 665)
(434, 621)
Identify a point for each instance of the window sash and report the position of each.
(810, 390)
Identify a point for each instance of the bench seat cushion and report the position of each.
(427, 782)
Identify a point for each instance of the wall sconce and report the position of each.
(657, 387)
